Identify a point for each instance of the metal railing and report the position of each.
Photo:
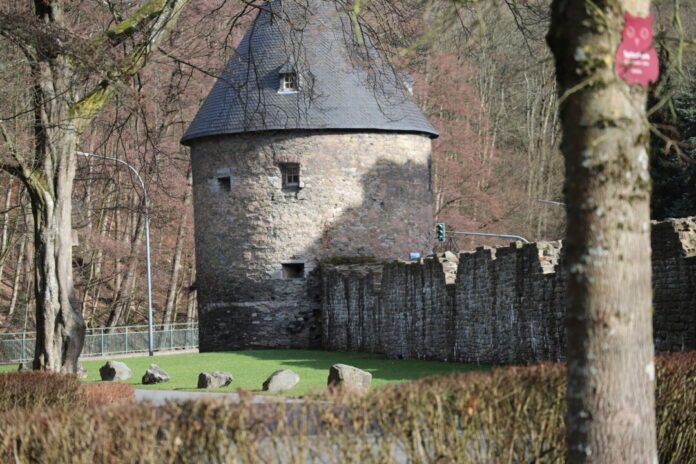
(18, 347)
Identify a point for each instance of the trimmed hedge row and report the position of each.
(45, 390)
(503, 416)
(34, 389)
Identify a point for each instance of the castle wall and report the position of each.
(361, 193)
(500, 306)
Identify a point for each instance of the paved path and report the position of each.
(160, 397)
(138, 355)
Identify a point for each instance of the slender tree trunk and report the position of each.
(610, 398)
(16, 283)
(192, 296)
(5, 227)
(28, 285)
(117, 264)
(123, 297)
(93, 281)
(170, 307)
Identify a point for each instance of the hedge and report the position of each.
(504, 416)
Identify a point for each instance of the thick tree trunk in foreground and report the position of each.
(59, 324)
(610, 397)
(58, 314)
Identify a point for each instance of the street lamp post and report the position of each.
(146, 202)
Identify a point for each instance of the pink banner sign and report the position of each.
(636, 59)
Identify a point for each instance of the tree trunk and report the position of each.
(170, 307)
(191, 315)
(59, 321)
(125, 292)
(94, 280)
(17, 277)
(610, 397)
(5, 227)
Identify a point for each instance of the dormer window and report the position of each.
(288, 82)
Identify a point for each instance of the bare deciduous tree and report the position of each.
(74, 71)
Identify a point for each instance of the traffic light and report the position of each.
(440, 231)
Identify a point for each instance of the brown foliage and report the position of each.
(38, 390)
(675, 407)
(101, 394)
(505, 415)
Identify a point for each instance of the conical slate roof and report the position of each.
(342, 81)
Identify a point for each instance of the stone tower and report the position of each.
(308, 148)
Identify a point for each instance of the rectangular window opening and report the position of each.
(224, 183)
(288, 83)
(291, 175)
(293, 270)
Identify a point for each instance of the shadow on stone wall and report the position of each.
(394, 218)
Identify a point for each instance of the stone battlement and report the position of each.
(497, 306)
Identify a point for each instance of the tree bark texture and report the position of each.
(610, 398)
(59, 324)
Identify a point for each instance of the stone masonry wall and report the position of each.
(500, 306)
(360, 193)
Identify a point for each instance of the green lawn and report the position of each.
(251, 368)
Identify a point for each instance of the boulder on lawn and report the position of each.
(155, 374)
(81, 371)
(349, 378)
(24, 367)
(281, 380)
(115, 370)
(216, 379)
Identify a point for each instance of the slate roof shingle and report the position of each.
(344, 83)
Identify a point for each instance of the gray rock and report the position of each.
(216, 379)
(81, 371)
(281, 380)
(115, 370)
(24, 367)
(155, 374)
(349, 378)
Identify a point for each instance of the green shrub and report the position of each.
(505, 415)
(39, 389)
